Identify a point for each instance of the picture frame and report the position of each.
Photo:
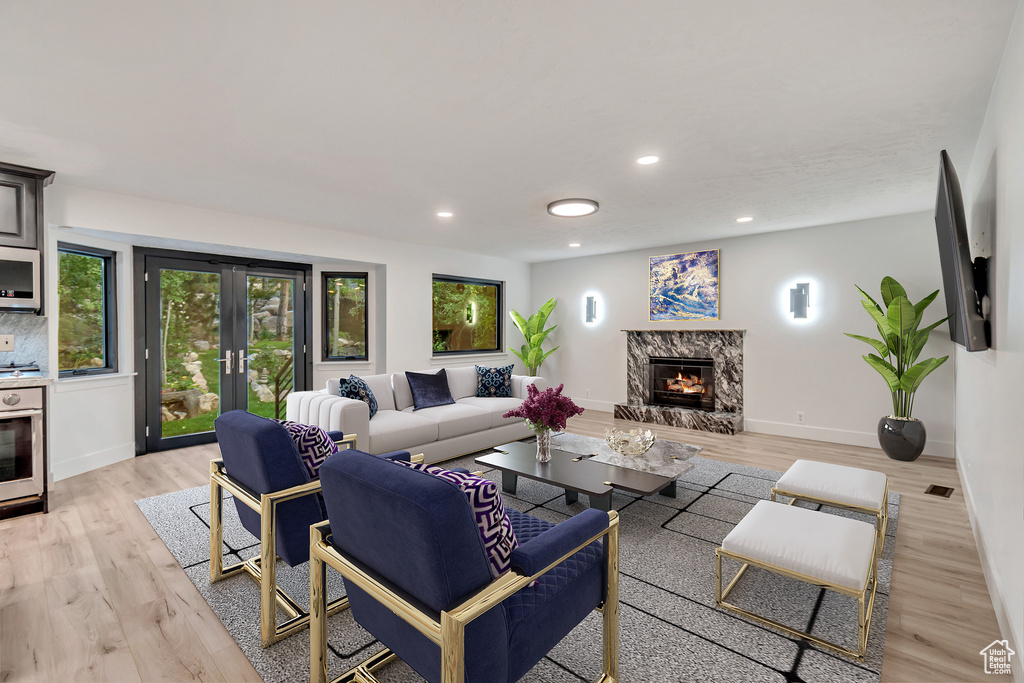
(684, 286)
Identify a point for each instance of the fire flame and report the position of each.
(685, 385)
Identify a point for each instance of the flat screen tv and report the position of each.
(964, 281)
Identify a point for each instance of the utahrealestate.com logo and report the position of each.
(997, 657)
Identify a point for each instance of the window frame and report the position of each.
(109, 259)
(499, 317)
(325, 347)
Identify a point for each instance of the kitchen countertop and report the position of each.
(17, 382)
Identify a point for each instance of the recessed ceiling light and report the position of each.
(567, 208)
(651, 159)
(745, 219)
(575, 244)
(444, 214)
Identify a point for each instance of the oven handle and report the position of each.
(5, 415)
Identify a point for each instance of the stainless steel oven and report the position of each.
(21, 443)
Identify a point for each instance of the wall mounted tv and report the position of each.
(964, 282)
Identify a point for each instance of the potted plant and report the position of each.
(901, 436)
(534, 334)
(544, 412)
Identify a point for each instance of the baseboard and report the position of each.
(590, 404)
(91, 461)
(942, 449)
(992, 580)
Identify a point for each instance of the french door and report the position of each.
(218, 337)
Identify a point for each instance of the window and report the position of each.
(467, 315)
(86, 342)
(345, 325)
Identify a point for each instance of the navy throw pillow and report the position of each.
(354, 387)
(429, 390)
(494, 382)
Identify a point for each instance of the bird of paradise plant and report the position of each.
(898, 321)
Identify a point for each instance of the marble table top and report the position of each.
(666, 458)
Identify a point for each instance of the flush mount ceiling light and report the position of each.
(568, 208)
(650, 159)
(745, 219)
(574, 244)
(444, 214)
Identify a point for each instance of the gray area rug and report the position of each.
(670, 627)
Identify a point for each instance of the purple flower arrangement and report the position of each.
(546, 409)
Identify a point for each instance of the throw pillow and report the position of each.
(429, 390)
(313, 443)
(354, 387)
(494, 382)
(488, 509)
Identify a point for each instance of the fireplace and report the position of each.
(685, 382)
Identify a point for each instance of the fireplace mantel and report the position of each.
(724, 346)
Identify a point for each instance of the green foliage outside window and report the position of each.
(81, 329)
(465, 316)
(345, 319)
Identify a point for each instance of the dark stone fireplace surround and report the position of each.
(725, 347)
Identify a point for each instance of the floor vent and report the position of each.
(936, 490)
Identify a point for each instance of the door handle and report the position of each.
(242, 358)
(226, 359)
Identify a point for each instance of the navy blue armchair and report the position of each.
(277, 502)
(418, 578)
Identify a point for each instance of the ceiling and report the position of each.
(371, 117)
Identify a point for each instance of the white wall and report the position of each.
(788, 367)
(989, 428)
(92, 420)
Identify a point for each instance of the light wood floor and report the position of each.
(89, 593)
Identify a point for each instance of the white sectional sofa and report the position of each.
(468, 425)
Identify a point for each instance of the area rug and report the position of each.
(670, 627)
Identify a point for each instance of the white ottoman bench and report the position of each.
(824, 550)
(838, 486)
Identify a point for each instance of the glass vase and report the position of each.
(544, 445)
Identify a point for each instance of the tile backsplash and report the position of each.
(30, 343)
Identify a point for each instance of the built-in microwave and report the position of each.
(19, 279)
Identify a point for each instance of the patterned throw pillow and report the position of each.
(488, 510)
(494, 382)
(313, 443)
(354, 387)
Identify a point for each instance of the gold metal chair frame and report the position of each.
(865, 604)
(449, 631)
(264, 566)
(881, 515)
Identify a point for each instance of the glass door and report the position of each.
(219, 337)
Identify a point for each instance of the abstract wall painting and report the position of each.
(684, 286)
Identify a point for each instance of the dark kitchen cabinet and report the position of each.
(21, 205)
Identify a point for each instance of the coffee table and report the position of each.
(575, 473)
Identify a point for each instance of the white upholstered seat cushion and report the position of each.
(849, 485)
(838, 550)
(454, 419)
(394, 430)
(496, 407)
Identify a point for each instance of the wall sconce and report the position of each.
(799, 299)
(591, 309)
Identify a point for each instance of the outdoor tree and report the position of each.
(80, 305)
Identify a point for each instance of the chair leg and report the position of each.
(216, 529)
(317, 616)
(610, 611)
(453, 645)
(268, 571)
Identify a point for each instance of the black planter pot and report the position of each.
(901, 439)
